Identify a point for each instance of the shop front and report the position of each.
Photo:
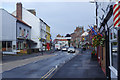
(113, 46)
(24, 46)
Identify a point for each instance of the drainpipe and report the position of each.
(96, 13)
(107, 53)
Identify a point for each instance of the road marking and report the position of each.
(48, 73)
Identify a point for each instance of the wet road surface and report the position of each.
(39, 68)
(80, 66)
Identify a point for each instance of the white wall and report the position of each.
(106, 7)
(8, 26)
(0, 25)
(33, 21)
(43, 30)
(63, 37)
(63, 43)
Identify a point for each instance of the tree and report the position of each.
(68, 35)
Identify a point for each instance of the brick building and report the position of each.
(76, 36)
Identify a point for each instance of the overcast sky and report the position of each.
(62, 17)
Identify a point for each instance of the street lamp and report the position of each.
(95, 1)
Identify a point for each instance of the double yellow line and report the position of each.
(48, 74)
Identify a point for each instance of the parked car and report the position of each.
(83, 48)
(71, 50)
(114, 49)
(64, 48)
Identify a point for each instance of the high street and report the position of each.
(38, 68)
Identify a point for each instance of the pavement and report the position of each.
(12, 61)
(80, 67)
(15, 57)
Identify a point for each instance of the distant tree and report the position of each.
(68, 35)
(58, 35)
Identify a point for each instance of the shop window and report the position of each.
(4, 44)
(115, 33)
(9, 44)
(114, 46)
(114, 54)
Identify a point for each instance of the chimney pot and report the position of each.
(19, 10)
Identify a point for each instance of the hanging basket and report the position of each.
(93, 55)
(98, 40)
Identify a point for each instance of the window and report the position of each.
(114, 54)
(20, 31)
(24, 33)
(7, 45)
(113, 47)
(27, 33)
(4, 44)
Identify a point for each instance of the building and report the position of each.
(38, 30)
(108, 58)
(33, 21)
(63, 41)
(76, 37)
(43, 34)
(48, 38)
(16, 34)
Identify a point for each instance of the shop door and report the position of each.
(113, 52)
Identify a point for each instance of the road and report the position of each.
(39, 68)
(81, 67)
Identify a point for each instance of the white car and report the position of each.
(114, 48)
(64, 49)
(71, 50)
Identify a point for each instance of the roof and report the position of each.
(16, 18)
(61, 39)
(44, 22)
(22, 21)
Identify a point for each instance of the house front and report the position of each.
(15, 34)
(31, 19)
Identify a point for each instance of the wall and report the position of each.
(0, 30)
(33, 21)
(8, 26)
(63, 43)
(23, 26)
(48, 32)
(42, 29)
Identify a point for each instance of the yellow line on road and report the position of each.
(50, 73)
(47, 73)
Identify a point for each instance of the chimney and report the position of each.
(32, 11)
(19, 10)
